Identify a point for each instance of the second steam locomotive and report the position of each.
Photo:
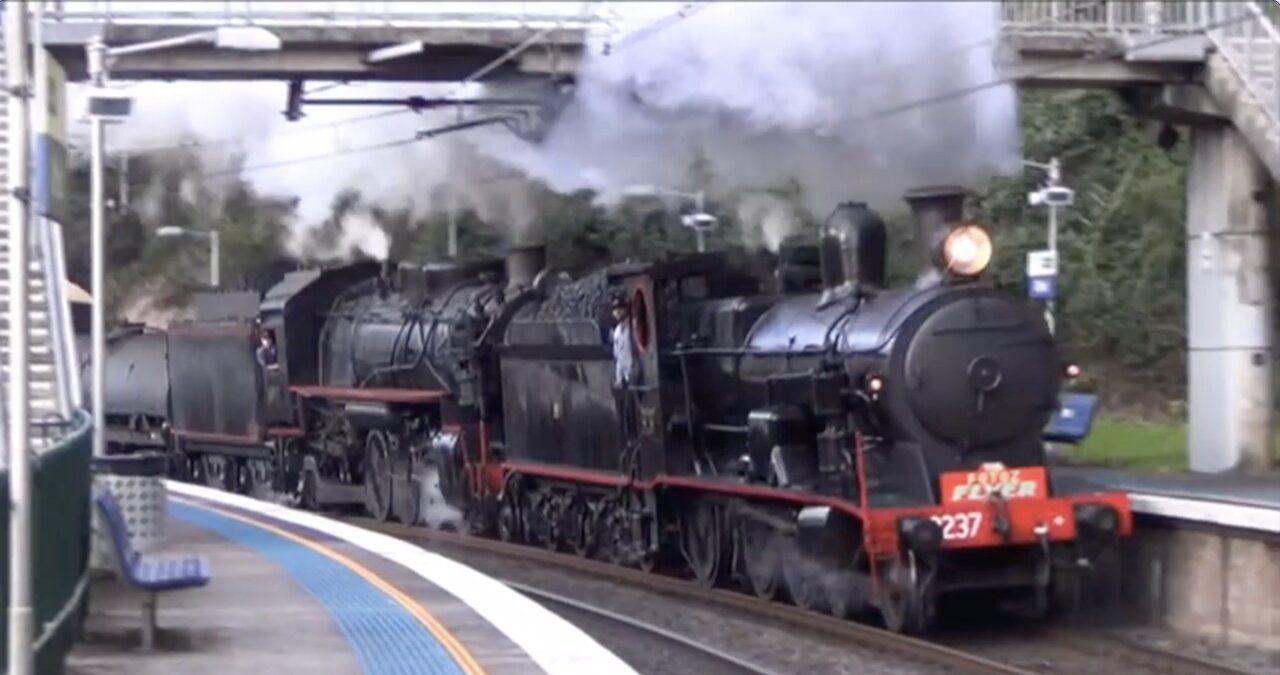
(803, 431)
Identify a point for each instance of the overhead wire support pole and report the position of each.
(96, 52)
(249, 38)
(21, 616)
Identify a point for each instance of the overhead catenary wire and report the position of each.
(688, 10)
(663, 23)
(357, 119)
(874, 115)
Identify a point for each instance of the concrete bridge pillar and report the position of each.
(1229, 304)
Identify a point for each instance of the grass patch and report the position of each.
(1153, 446)
(1139, 445)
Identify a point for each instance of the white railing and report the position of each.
(61, 333)
(1103, 17)
(569, 15)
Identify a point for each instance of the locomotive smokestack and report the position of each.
(864, 243)
(935, 209)
(524, 263)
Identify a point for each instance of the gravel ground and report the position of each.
(1036, 648)
(1051, 658)
(1241, 658)
(773, 647)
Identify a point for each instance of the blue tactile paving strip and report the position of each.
(386, 638)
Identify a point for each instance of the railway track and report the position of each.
(1135, 657)
(1040, 652)
(1053, 651)
(930, 656)
(637, 635)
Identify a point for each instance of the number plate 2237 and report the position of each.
(959, 526)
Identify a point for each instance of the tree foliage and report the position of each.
(1122, 245)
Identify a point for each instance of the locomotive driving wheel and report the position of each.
(215, 471)
(804, 580)
(411, 502)
(377, 476)
(906, 599)
(261, 476)
(243, 477)
(195, 469)
(761, 559)
(583, 538)
(706, 548)
(509, 517)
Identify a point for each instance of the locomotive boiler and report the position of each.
(943, 375)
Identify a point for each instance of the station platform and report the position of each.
(1243, 490)
(1248, 502)
(294, 592)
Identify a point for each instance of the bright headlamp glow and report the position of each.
(967, 250)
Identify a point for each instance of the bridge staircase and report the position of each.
(1243, 72)
(53, 377)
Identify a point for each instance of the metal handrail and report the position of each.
(71, 359)
(54, 306)
(1082, 17)
(61, 333)
(247, 12)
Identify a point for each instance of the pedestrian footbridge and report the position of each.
(1200, 59)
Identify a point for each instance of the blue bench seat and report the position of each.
(151, 574)
(1073, 420)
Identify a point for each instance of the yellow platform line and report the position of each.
(461, 655)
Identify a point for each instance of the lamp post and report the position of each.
(103, 107)
(1042, 266)
(699, 221)
(215, 261)
(20, 611)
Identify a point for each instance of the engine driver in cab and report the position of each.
(268, 355)
(623, 359)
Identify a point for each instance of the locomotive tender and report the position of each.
(806, 432)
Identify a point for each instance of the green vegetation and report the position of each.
(1145, 445)
(1160, 446)
(1122, 312)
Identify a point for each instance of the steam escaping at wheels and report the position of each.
(433, 510)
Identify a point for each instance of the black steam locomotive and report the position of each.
(799, 429)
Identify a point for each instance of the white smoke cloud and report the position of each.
(304, 159)
(765, 93)
(769, 92)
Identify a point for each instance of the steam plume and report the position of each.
(769, 93)
(765, 94)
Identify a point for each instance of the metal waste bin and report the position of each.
(137, 482)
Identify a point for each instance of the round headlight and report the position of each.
(967, 250)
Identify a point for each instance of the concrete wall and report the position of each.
(1224, 587)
